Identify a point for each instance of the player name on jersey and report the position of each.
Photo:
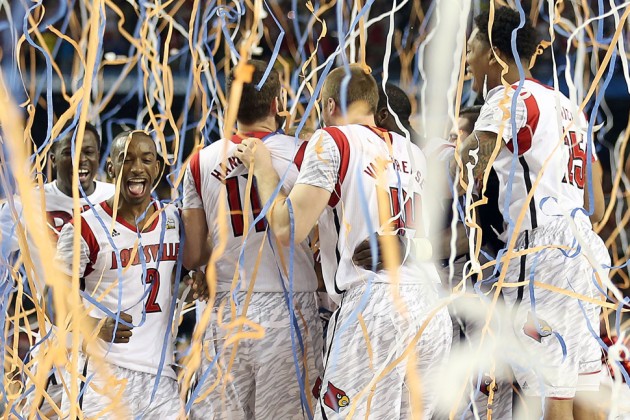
(379, 165)
(225, 168)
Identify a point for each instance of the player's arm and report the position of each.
(599, 205)
(307, 201)
(197, 244)
(477, 149)
(109, 330)
(9, 228)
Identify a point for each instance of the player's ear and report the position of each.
(495, 55)
(110, 169)
(381, 115)
(331, 106)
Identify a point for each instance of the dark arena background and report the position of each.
(161, 66)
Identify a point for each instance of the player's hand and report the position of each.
(252, 151)
(123, 332)
(363, 255)
(198, 283)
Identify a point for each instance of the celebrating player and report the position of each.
(260, 367)
(127, 256)
(349, 159)
(58, 205)
(544, 146)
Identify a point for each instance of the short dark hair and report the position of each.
(470, 113)
(255, 104)
(506, 20)
(398, 101)
(118, 141)
(88, 127)
(361, 87)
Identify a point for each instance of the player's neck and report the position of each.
(67, 188)
(512, 76)
(355, 118)
(266, 125)
(131, 213)
(358, 112)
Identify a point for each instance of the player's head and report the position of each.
(257, 105)
(398, 102)
(136, 164)
(361, 93)
(89, 157)
(465, 123)
(490, 41)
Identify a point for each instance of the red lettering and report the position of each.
(125, 256)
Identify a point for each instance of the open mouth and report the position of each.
(84, 175)
(137, 187)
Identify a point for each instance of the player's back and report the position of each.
(551, 145)
(130, 272)
(221, 181)
(370, 169)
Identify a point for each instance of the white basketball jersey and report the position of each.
(548, 128)
(214, 177)
(353, 210)
(59, 209)
(132, 272)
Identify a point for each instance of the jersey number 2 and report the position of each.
(236, 206)
(153, 280)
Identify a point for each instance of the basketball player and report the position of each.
(258, 369)
(58, 205)
(349, 159)
(128, 254)
(399, 103)
(545, 144)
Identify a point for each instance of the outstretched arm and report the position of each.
(599, 205)
(197, 245)
(307, 201)
(476, 149)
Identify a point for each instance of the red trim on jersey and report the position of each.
(299, 156)
(560, 398)
(525, 134)
(379, 132)
(590, 373)
(538, 82)
(239, 137)
(344, 151)
(128, 225)
(92, 243)
(195, 170)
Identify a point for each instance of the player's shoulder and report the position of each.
(50, 189)
(103, 190)
(215, 152)
(283, 145)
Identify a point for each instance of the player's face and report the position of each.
(477, 56)
(460, 130)
(88, 163)
(137, 169)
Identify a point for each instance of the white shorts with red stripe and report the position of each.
(262, 382)
(556, 333)
(366, 363)
(113, 392)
